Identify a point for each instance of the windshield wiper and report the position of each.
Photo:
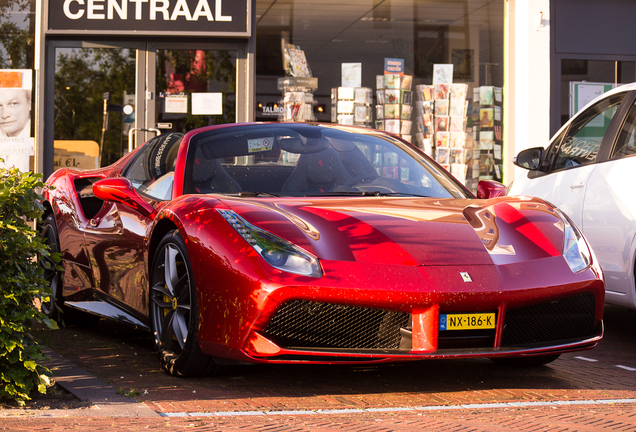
(369, 193)
(250, 194)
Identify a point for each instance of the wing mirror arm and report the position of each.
(120, 190)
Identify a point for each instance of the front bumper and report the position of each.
(526, 298)
(315, 332)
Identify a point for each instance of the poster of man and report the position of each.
(16, 143)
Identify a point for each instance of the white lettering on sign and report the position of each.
(67, 9)
(122, 10)
(168, 10)
(219, 16)
(93, 7)
(163, 9)
(203, 9)
(273, 111)
(138, 9)
(181, 9)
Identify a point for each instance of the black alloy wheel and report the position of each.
(174, 312)
(49, 301)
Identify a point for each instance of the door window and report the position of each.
(152, 171)
(91, 86)
(195, 88)
(626, 143)
(581, 142)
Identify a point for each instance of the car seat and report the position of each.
(209, 176)
(317, 172)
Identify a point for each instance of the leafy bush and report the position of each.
(21, 283)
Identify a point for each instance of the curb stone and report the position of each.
(105, 400)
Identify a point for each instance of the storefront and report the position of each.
(187, 63)
(114, 73)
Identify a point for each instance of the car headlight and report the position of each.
(575, 249)
(278, 253)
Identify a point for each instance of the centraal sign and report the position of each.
(222, 17)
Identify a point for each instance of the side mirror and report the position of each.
(529, 159)
(120, 190)
(490, 189)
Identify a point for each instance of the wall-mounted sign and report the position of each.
(212, 17)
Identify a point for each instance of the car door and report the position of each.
(609, 213)
(116, 237)
(570, 160)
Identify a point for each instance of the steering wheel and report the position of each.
(360, 180)
(380, 184)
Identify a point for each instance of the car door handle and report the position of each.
(578, 186)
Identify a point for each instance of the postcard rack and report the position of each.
(352, 106)
(298, 98)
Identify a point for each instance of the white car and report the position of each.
(589, 172)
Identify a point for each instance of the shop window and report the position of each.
(333, 35)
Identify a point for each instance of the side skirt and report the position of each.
(106, 310)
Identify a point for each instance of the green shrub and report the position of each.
(21, 283)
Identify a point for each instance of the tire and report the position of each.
(50, 304)
(161, 154)
(174, 311)
(525, 361)
(54, 307)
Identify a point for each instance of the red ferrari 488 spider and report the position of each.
(306, 243)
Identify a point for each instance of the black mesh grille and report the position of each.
(307, 324)
(448, 339)
(568, 318)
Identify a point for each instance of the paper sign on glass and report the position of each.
(176, 104)
(207, 103)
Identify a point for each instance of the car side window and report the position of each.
(551, 153)
(582, 140)
(152, 171)
(626, 143)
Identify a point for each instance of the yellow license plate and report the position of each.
(470, 321)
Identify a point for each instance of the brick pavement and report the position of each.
(125, 360)
(610, 418)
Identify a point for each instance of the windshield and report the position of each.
(297, 159)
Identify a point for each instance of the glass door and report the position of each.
(110, 97)
(192, 87)
(92, 84)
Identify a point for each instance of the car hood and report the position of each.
(411, 231)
